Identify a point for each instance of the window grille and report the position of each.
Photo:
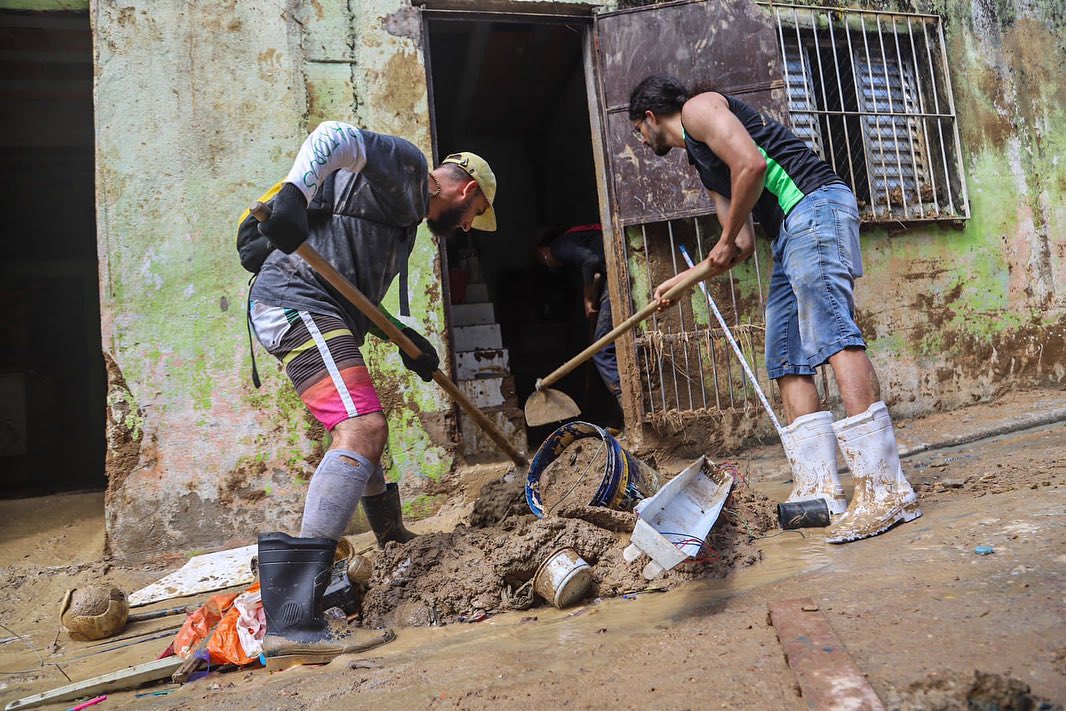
(870, 92)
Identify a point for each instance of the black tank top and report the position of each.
(793, 171)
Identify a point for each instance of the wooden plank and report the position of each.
(193, 661)
(828, 677)
(113, 681)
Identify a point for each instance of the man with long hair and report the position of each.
(753, 165)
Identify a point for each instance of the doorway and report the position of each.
(513, 90)
(52, 380)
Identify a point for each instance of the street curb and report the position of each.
(1025, 423)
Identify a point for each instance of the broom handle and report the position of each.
(339, 282)
(736, 348)
(627, 325)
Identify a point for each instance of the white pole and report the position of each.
(732, 342)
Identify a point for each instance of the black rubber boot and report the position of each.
(386, 516)
(293, 575)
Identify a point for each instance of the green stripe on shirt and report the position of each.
(780, 183)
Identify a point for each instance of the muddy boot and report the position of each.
(883, 496)
(293, 574)
(811, 448)
(386, 517)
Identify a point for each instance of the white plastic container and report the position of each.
(672, 525)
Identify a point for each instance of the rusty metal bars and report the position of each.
(950, 95)
(909, 124)
(665, 347)
(925, 123)
(710, 340)
(885, 98)
(654, 318)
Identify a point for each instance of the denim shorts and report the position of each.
(810, 312)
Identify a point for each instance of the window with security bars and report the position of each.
(870, 92)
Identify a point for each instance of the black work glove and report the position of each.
(287, 227)
(424, 364)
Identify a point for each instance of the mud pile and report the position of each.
(484, 568)
(574, 476)
(500, 501)
(947, 691)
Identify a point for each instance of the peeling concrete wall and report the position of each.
(198, 107)
(201, 106)
(957, 316)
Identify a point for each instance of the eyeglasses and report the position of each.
(637, 135)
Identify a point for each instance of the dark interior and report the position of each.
(515, 94)
(52, 382)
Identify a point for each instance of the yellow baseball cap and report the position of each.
(478, 169)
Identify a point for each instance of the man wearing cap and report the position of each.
(358, 198)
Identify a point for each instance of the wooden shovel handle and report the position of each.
(674, 294)
(339, 282)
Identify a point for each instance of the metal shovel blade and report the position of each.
(546, 405)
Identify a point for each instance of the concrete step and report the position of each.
(489, 392)
(473, 314)
(470, 338)
(477, 293)
(483, 363)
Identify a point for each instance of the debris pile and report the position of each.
(474, 571)
(464, 575)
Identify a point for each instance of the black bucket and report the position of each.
(813, 513)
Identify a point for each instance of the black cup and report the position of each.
(803, 514)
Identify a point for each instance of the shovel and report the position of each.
(546, 405)
(357, 299)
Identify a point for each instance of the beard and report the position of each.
(447, 222)
(657, 142)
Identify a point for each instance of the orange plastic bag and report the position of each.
(200, 623)
(237, 635)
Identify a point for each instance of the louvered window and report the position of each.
(870, 92)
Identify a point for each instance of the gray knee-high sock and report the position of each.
(376, 483)
(335, 490)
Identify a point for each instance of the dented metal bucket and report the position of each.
(563, 578)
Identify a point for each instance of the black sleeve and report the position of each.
(252, 247)
(575, 255)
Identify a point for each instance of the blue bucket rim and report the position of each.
(554, 445)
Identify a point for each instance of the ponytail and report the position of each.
(662, 95)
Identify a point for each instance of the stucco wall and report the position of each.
(201, 105)
(955, 316)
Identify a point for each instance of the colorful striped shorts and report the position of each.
(322, 360)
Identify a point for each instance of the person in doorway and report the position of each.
(581, 247)
(753, 165)
(358, 198)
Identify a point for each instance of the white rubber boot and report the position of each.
(883, 496)
(811, 447)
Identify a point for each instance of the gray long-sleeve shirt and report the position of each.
(367, 238)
